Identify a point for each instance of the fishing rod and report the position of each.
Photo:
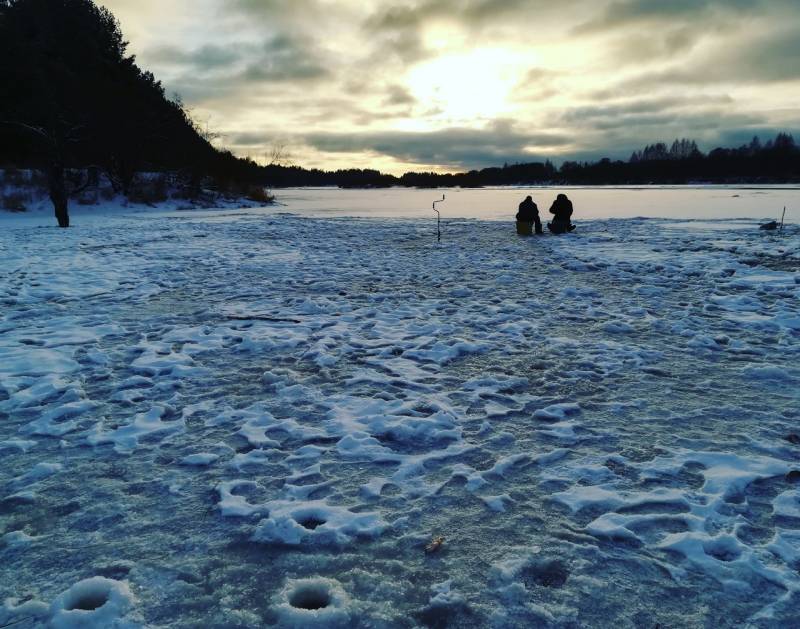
(438, 220)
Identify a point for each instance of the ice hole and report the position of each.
(88, 601)
(314, 602)
(736, 498)
(655, 507)
(425, 409)
(723, 550)
(437, 617)
(552, 574)
(310, 596)
(311, 522)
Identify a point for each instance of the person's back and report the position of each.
(562, 215)
(528, 213)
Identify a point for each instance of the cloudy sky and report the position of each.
(453, 84)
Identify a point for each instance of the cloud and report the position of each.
(624, 110)
(593, 77)
(613, 129)
(762, 58)
(625, 13)
(771, 57)
(396, 29)
(276, 9)
(278, 58)
(207, 57)
(668, 43)
(404, 46)
(398, 95)
(473, 14)
(217, 72)
(285, 58)
(453, 147)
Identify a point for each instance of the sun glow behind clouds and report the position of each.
(469, 86)
(487, 81)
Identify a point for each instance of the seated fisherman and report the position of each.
(562, 213)
(528, 213)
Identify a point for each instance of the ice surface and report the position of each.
(748, 204)
(257, 418)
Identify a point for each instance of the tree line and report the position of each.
(774, 161)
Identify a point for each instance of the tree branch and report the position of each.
(31, 129)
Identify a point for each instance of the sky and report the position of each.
(450, 85)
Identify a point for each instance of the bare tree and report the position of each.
(278, 154)
(51, 144)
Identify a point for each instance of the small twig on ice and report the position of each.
(435, 545)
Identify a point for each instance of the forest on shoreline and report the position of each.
(774, 161)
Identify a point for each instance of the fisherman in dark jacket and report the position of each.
(529, 213)
(562, 213)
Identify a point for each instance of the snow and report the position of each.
(201, 459)
(301, 521)
(262, 417)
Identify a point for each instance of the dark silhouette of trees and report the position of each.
(776, 161)
(73, 99)
(55, 56)
(682, 162)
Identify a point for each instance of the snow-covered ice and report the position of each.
(257, 418)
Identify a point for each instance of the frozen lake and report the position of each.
(262, 417)
(761, 203)
(710, 202)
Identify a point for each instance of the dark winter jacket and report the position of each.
(528, 211)
(562, 210)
